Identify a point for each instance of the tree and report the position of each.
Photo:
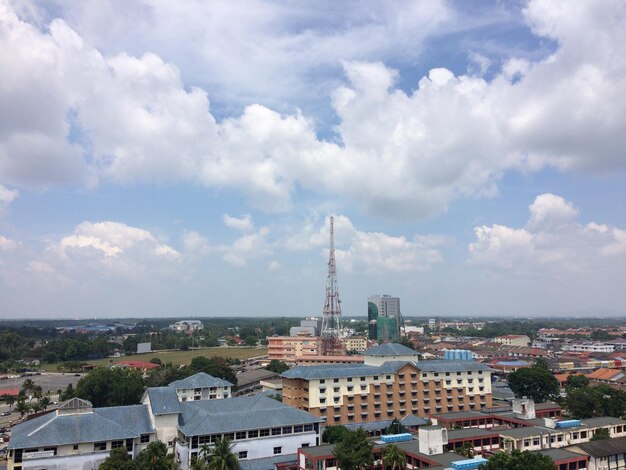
(277, 366)
(394, 456)
(600, 400)
(118, 459)
(536, 382)
(601, 434)
(111, 387)
(215, 366)
(517, 460)
(22, 407)
(68, 393)
(9, 399)
(251, 340)
(354, 451)
(576, 381)
(334, 434)
(45, 402)
(395, 428)
(466, 450)
(600, 335)
(221, 457)
(155, 457)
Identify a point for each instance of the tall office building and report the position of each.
(384, 318)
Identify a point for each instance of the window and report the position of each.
(230, 436)
(297, 429)
(304, 444)
(349, 379)
(526, 442)
(336, 381)
(144, 438)
(116, 444)
(99, 446)
(375, 377)
(276, 431)
(252, 434)
(287, 430)
(388, 377)
(240, 435)
(75, 446)
(308, 427)
(322, 381)
(264, 432)
(278, 450)
(243, 454)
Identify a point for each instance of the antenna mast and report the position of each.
(331, 320)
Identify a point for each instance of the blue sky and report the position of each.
(166, 158)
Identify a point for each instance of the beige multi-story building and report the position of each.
(513, 340)
(344, 394)
(290, 348)
(355, 343)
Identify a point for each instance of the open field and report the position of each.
(176, 357)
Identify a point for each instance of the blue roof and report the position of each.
(390, 349)
(200, 380)
(356, 370)
(238, 414)
(163, 400)
(101, 424)
(268, 463)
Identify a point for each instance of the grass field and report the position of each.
(176, 357)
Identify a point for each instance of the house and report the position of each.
(604, 454)
(202, 386)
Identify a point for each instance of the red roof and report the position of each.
(138, 364)
(11, 392)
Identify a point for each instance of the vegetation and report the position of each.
(517, 460)
(155, 457)
(536, 382)
(334, 434)
(601, 400)
(118, 459)
(111, 387)
(466, 450)
(218, 456)
(277, 366)
(576, 381)
(354, 451)
(601, 434)
(394, 457)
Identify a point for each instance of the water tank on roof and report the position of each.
(468, 464)
(389, 438)
(569, 423)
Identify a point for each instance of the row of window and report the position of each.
(401, 376)
(197, 441)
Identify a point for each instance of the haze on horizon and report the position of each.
(180, 159)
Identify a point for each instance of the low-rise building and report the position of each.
(589, 347)
(187, 326)
(513, 340)
(604, 454)
(290, 348)
(202, 386)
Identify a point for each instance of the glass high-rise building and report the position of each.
(384, 318)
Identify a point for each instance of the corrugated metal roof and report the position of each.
(268, 463)
(200, 380)
(390, 349)
(101, 424)
(163, 400)
(238, 414)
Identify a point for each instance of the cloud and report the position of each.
(247, 247)
(243, 224)
(372, 253)
(6, 244)
(84, 114)
(109, 249)
(552, 243)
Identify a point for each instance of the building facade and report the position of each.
(513, 340)
(384, 318)
(290, 348)
(345, 394)
(202, 386)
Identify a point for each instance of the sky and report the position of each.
(163, 158)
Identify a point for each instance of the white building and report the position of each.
(589, 347)
(187, 325)
(78, 436)
(202, 386)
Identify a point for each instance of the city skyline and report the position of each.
(172, 160)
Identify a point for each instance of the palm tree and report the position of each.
(221, 457)
(45, 402)
(394, 456)
(22, 407)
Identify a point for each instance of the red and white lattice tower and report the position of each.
(331, 320)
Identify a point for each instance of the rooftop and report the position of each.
(605, 447)
(163, 400)
(100, 424)
(390, 349)
(200, 380)
(239, 414)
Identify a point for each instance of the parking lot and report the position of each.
(47, 380)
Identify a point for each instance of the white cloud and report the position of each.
(239, 223)
(398, 154)
(552, 243)
(110, 249)
(6, 244)
(247, 247)
(371, 253)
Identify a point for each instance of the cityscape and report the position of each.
(264, 235)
